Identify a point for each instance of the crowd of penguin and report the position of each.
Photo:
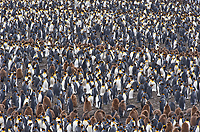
(99, 53)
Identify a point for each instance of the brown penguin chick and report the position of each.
(86, 115)
(128, 119)
(73, 69)
(167, 109)
(146, 113)
(115, 104)
(193, 120)
(176, 129)
(185, 127)
(39, 110)
(87, 105)
(134, 114)
(52, 114)
(146, 107)
(163, 119)
(2, 108)
(19, 73)
(178, 111)
(194, 110)
(74, 100)
(52, 69)
(146, 120)
(189, 111)
(93, 120)
(28, 111)
(65, 65)
(3, 74)
(46, 102)
(171, 113)
(157, 112)
(10, 110)
(73, 114)
(122, 104)
(169, 127)
(99, 115)
(63, 114)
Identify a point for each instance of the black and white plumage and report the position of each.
(101, 49)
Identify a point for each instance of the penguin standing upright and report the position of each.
(45, 85)
(19, 73)
(34, 103)
(162, 104)
(182, 102)
(87, 105)
(122, 108)
(139, 95)
(106, 97)
(131, 93)
(69, 105)
(40, 97)
(193, 99)
(3, 74)
(198, 95)
(50, 94)
(177, 95)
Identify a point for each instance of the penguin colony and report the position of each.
(99, 53)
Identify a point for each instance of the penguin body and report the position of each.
(122, 108)
(45, 85)
(193, 99)
(50, 94)
(46, 102)
(106, 98)
(172, 106)
(87, 105)
(19, 73)
(162, 104)
(69, 105)
(177, 96)
(182, 102)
